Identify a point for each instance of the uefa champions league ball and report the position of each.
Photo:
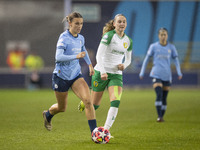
(101, 135)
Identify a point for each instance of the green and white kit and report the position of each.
(115, 48)
(110, 54)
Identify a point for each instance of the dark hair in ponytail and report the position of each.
(71, 16)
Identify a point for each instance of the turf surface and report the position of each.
(21, 122)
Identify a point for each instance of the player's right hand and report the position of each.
(104, 76)
(91, 69)
(80, 55)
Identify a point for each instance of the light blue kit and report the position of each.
(67, 65)
(162, 56)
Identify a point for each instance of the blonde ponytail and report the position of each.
(108, 27)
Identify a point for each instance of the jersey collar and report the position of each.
(71, 34)
(118, 35)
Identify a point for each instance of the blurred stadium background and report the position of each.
(32, 27)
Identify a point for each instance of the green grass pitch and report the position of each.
(21, 122)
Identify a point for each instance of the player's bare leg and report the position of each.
(60, 106)
(96, 99)
(81, 89)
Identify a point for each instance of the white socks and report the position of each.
(112, 114)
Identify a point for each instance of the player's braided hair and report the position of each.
(71, 16)
(109, 25)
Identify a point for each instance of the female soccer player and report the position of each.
(161, 52)
(67, 72)
(114, 46)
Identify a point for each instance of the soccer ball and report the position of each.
(100, 135)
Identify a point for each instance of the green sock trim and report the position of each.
(115, 103)
(96, 106)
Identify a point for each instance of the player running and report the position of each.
(162, 52)
(114, 46)
(67, 72)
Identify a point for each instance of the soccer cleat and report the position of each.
(160, 120)
(47, 124)
(81, 106)
(111, 137)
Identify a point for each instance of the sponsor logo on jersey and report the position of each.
(149, 52)
(117, 52)
(103, 40)
(60, 42)
(105, 36)
(76, 49)
(125, 45)
(169, 50)
(163, 56)
(95, 83)
(158, 50)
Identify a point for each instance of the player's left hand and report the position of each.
(91, 69)
(180, 77)
(120, 67)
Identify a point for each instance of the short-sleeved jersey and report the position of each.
(162, 60)
(116, 49)
(68, 70)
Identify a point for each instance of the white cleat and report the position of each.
(111, 137)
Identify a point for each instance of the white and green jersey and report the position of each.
(116, 48)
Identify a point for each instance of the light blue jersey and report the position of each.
(67, 65)
(161, 61)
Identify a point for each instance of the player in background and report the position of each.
(67, 72)
(114, 46)
(162, 52)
